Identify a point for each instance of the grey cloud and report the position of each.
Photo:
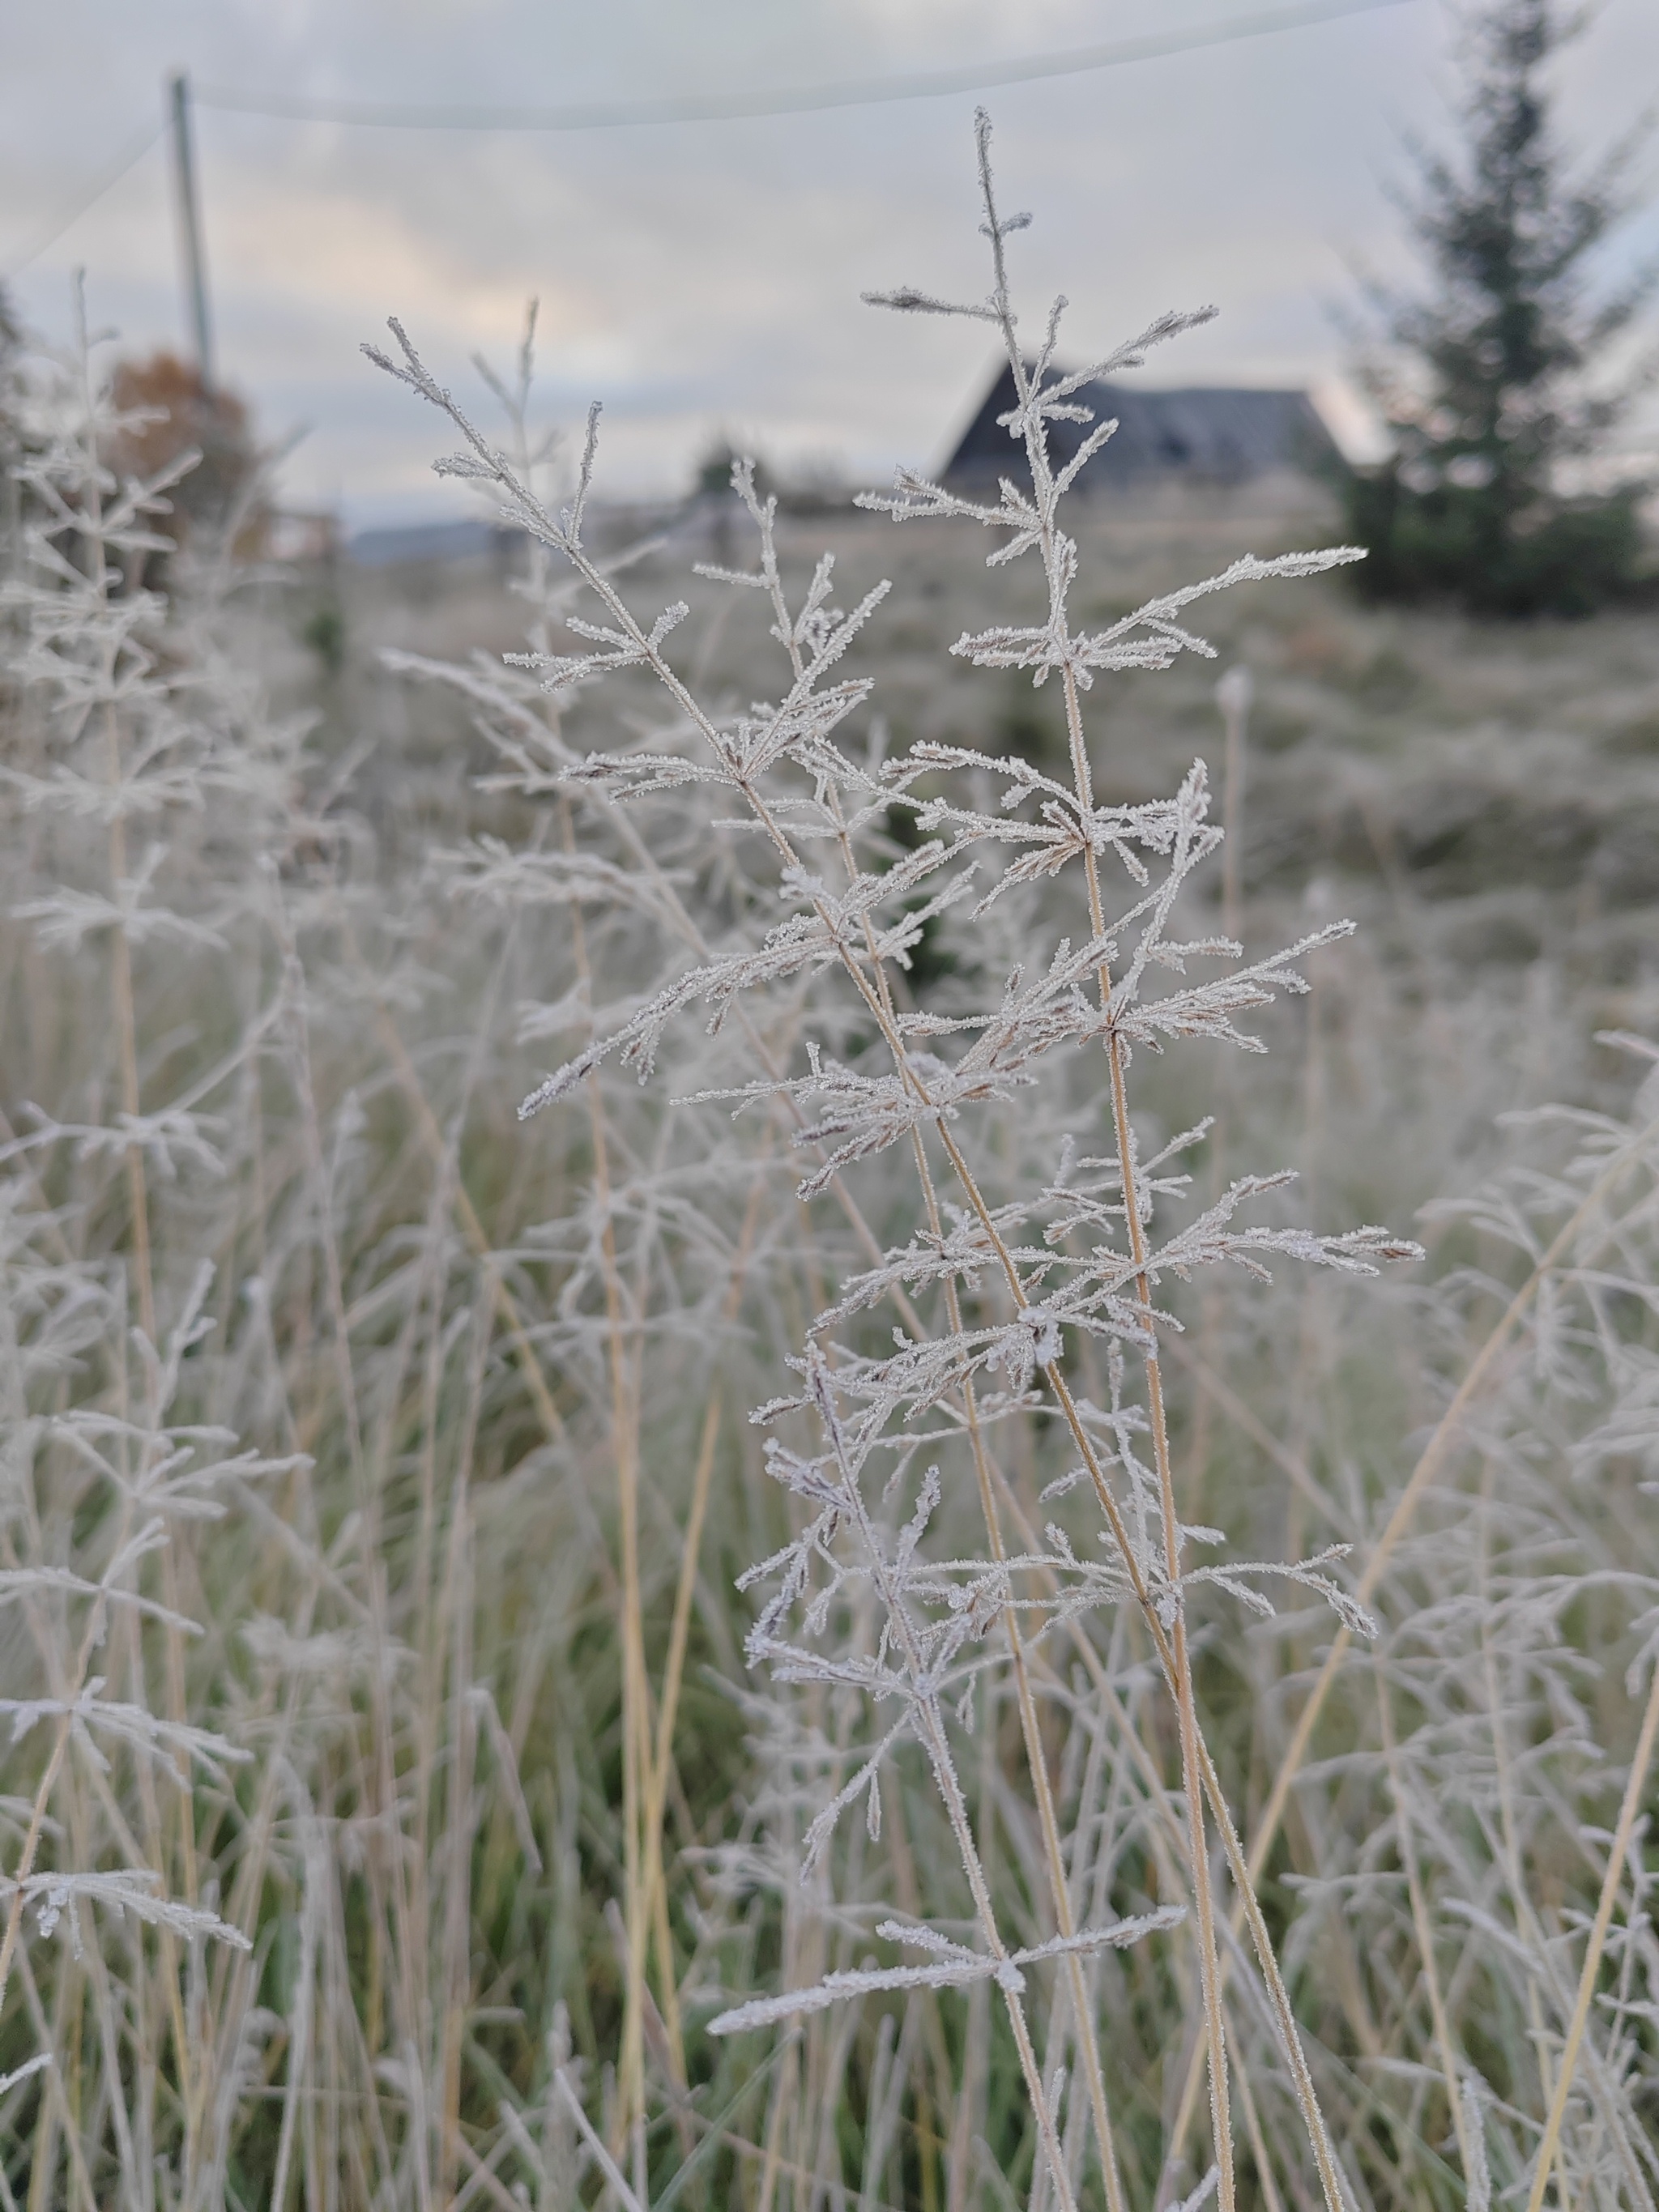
(698, 275)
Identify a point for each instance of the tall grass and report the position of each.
(1131, 1717)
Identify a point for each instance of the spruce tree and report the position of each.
(1499, 378)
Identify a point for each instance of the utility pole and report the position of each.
(190, 227)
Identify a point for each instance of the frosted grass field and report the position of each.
(413, 1796)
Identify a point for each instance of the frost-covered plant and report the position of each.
(1487, 1841)
(132, 757)
(997, 1295)
(208, 1709)
(424, 1482)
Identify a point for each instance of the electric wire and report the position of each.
(730, 106)
(713, 108)
(132, 153)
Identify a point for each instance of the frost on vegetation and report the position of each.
(146, 791)
(213, 1685)
(1033, 1266)
(865, 1604)
(1103, 1568)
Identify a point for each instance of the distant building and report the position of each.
(1203, 435)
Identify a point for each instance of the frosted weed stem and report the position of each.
(646, 649)
(637, 1763)
(1030, 1731)
(678, 1635)
(1177, 1658)
(880, 1012)
(1443, 2034)
(1617, 1852)
(93, 540)
(855, 950)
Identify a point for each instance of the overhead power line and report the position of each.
(715, 107)
(730, 107)
(133, 152)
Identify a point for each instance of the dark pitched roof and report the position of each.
(1203, 434)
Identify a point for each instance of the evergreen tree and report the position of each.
(1496, 381)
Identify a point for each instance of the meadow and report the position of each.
(1162, 1702)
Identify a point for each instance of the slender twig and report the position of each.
(1635, 1783)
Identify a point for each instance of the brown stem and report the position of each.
(636, 1745)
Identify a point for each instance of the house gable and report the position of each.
(1203, 434)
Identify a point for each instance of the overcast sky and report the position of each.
(705, 277)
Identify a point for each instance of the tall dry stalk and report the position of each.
(1111, 1295)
